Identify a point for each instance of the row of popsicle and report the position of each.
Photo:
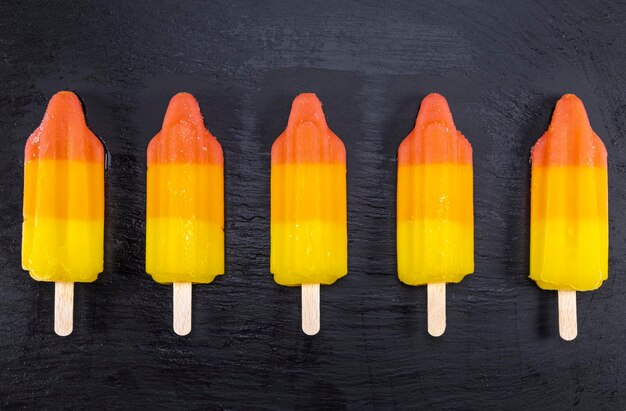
(63, 226)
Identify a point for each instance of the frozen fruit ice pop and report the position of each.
(63, 229)
(435, 213)
(308, 199)
(569, 203)
(185, 198)
(309, 240)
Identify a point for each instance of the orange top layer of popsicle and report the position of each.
(307, 138)
(569, 139)
(184, 138)
(429, 141)
(63, 133)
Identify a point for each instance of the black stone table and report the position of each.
(501, 65)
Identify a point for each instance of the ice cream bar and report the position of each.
(308, 201)
(569, 206)
(435, 216)
(185, 201)
(63, 229)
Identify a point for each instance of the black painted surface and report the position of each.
(502, 68)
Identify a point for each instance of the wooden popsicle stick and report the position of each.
(182, 308)
(568, 321)
(436, 307)
(63, 308)
(310, 308)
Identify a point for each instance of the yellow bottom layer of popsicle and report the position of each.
(63, 250)
(568, 255)
(434, 251)
(183, 250)
(309, 252)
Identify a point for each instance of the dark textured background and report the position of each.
(502, 68)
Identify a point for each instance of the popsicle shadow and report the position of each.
(86, 295)
(546, 303)
(398, 125)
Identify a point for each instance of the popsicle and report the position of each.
(569, 210)
(63, 228)
(435, 211)
(185, 206)
(309, 242)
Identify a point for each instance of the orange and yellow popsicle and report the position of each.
(435, 213)
(185, 202)
(63, 229)
(308, 200)
(569, 205)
